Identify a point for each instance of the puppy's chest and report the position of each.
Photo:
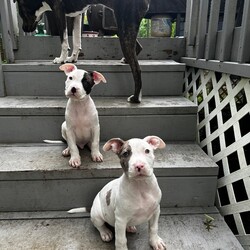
(143, 205)
(82, 121)
(79, 116)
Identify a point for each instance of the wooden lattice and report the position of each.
(223, 132)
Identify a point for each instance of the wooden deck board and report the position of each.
(180, 232)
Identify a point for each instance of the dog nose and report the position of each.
(73, 90)
(139, 167)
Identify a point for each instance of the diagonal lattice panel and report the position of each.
(223, 132)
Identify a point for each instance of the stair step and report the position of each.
(43, 78)
(39, 118)
(180, 229)
(37, 177)
(99, 48)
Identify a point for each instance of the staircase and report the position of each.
(37, 186)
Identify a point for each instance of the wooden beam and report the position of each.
(234, 68)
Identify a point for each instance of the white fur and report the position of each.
(40, 11)
(130, 200)
(81, 126)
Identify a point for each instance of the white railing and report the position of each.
(217, 79)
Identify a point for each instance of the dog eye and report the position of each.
(70, 78)
(125, 154)
(147, 151)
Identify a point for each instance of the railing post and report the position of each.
(202, 29)
(212, 29)
(192, 11)
(2, 89)
(7, 40)
(227, 30)
(244, 50)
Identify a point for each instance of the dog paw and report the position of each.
(106, 235)
(133, 99)
(97, 157)
(71, 59)
(75, 162)
(131, 229)
(58, 60)
(123, 60)
(157, 243)
(66, 152)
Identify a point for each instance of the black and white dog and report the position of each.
(128, 13)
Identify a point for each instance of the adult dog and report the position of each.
(128, 13)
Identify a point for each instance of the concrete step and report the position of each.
(179, 228)
(36, 177)
(33, 119)
(43, 78)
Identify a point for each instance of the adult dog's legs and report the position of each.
(128, 45)
(128, 21)
(76, 39)
(64, 49)
(60, 19)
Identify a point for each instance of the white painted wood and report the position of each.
(224, 92)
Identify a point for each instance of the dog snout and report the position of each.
(73, 90)
(139, 166)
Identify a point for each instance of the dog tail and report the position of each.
(53, 142)
(78, 210)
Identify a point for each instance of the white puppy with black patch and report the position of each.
(81, 126)
(132, 199)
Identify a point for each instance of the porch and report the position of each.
(196, 97)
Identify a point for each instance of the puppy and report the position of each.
(81, 126)
(132, 199)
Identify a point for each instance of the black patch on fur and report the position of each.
(108, 196)
(124, 156)
(88, 82)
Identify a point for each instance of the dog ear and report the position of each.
(98, 77)
(114, 144)
(155, 141)
(67, 68)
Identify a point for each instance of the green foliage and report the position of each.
(145, 28)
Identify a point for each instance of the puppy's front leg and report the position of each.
(75, 159)
(76, 39)
(154, 240)
(94, 144)
(120, 233)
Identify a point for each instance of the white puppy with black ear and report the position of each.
(81, 126)
(132, 199)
